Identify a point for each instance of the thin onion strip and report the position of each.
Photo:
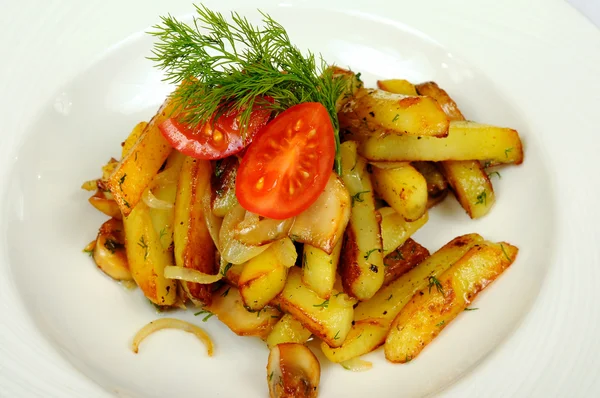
(153, 202)
(356, 365)
(190, 275)
(171, 323)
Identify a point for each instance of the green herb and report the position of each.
(258, 312)
(356, 197)
(121, 181)
(504, 251)
(366, 256)
(112, 245)
(225, 293)
(233, 65)
(227, 267)
(433, 281)
(471, 309)
(142, 243)
(336, 337)
(90, 252)
(396, 255)
(481, 198)
(162, 233)
(219, 169)
(324, 304)
(389, 298)
(408, 358)
(207, 317)
(487, 164)
(507, 151)
(126, 203)
(439, 325)
(395, 118)
(271, 376)
(494, 173)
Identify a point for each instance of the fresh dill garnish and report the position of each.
(227, 267)
(442, 323)
(163, 232)
(494, 173)
(356, 197)
(336, 337)
(482, 198)
(366, 256)
(471, 309)
(233, 65)
(324, 304)
(90, 252)
(507, 151)
(433, 281)
(142, 243)
(203, 312)
(225, 293)
(112, 245)
(504, 251)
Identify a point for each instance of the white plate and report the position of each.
(69, 102)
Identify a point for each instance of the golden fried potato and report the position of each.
(293, 371)
(373, 318)
(395, 230)
(374, 110)
(431, 89)
(228, 306)
(434, 307)
(135, 172)
(288, 330)
(109, 251)
(465, 141)
(361, 262)
(132, 138)
(193, 245)
(329, 320)
(319, 269)
(397, 86)
(403, 259)
(353, 84)
(403, 188)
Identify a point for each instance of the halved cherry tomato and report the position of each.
(208, 141)
(287, 167)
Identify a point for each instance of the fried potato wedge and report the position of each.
(228, 306)
(136, 170)
(403, 188)
(434, 307)
(469, 181)
(109, 250)
(397, 86)
(330, 320)
(147, 257)
(193, 245)
(262, 278)
(395, 230)
(361, 262)
(288, 330)
(373, 318)
(465, 141)
(377, 110)
(437, 185)
(132, 138)
(403, 259)
(322, 225)
(319, 269)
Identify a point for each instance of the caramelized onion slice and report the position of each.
(171, 323)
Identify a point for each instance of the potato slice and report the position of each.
(329, 320)
(395, 230)
(469, 181)
(434, 307)
(262, 278)
(353, 84)
(136, 170)
(437, 185)
(404, 189)
(288, 330)
(322, 225)
(132, 138)
(403, 259)
(293, 371)
(109, 251)
(397, 86)
(319, 269)
(465, 141)
(373, 318)
(228, 306)
(377, 110)
(361, 263)
(193, 245)
(147, 257)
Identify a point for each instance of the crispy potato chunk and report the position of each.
(465, 141)
(132, 138)
(374, 110)
(329, 320)
(288, 330)
(395, 230)
(403, 259)
(397, 86)
(361, 263)
(228, 306)
(134, 173)
(434, 91)
(435, 306)
(193, 245)
(319, 269)
(293, 371)
(373, 318)
(403, 188)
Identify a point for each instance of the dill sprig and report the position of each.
(232, 66)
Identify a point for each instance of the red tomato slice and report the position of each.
(214, 142)
(288, 165)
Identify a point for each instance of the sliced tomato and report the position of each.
(287, 167)
(214, 140)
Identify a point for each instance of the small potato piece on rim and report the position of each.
(109, 251)
(288, 330)
(293, 371)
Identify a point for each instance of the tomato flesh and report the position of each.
(289, 163)
(214, 140)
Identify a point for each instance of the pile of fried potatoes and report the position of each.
(346, 270)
